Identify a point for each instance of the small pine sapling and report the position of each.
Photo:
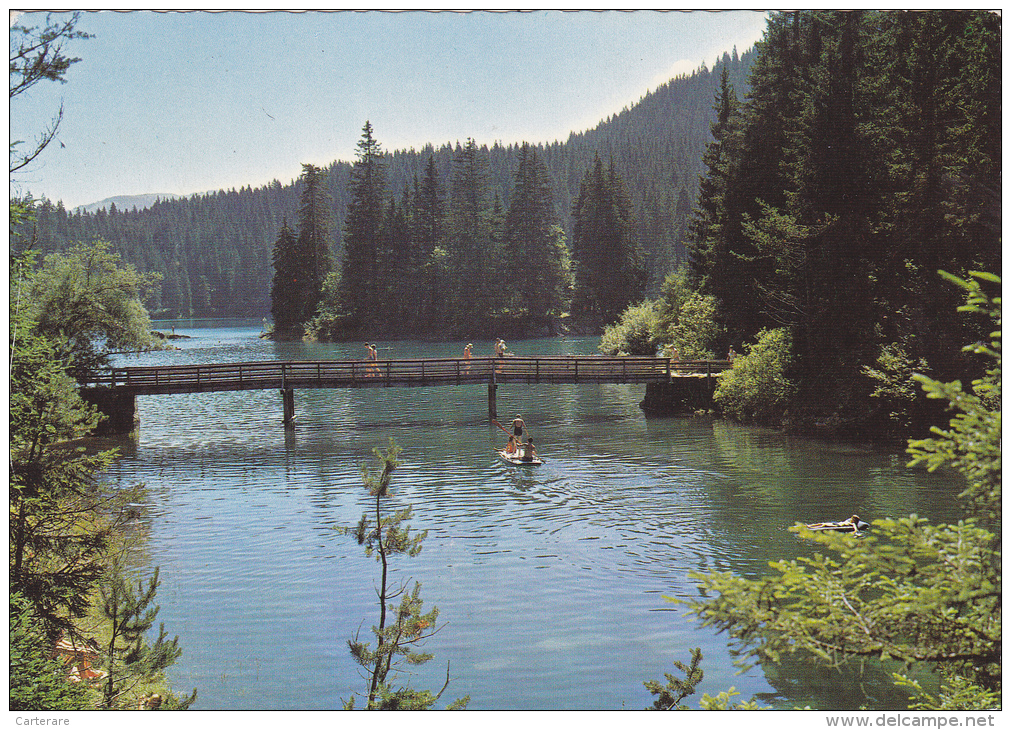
(129, 661)
(403, 627)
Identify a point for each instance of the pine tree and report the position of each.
(403, 627)
(609, 269)
(128, 659)
(470, 246)
(430, 214)
(397, 272)
(285, 304)
(535, 245)
(314, 242)
(428, 290)
(851, 174)
(363, 231)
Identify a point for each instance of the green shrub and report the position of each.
(636, 333)
(756, 389)
(695, 329)
(38, 682)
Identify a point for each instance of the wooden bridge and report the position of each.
(114, 391)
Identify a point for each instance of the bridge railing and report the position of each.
(405, 372)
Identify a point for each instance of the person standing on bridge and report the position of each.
(466, 355)
(372, 357)
(500, 353)
(731, 354)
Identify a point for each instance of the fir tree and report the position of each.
(470, 242)
(363, 231)
(313, 243)
(851, 173)
(609, 267)
(285, 304)
(430, 211)
(535, 245)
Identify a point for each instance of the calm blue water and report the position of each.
(550, 581)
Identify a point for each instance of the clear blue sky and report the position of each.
(190, 102)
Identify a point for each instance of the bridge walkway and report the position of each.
(114, 391)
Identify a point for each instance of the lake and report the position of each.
(550, 581)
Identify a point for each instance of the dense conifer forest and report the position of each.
(214, 251)
(865, 158)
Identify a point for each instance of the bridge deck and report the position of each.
(398, 373)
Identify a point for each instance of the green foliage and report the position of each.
(724, 701)
(403, 627)
(60, 515)
(314, 241)
(534, 243)
(957, 693)
(696, 328)
(363, 232)
(894, 378)
(285, 303)
(38, 681)
(127, 657)
(89, 306)
(756, 388)
(302, 262)
(910, 591)
(688, 319)
(972, 442)
(669, 696)
(636, 333)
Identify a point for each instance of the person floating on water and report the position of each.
(511, 446)
(529, 452)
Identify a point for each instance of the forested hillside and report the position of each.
(214, 250)
(866, 158)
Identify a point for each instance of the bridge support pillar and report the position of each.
(492, 387)
(119, 409)
(288, 397)
(680, 395)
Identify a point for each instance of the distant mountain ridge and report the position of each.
(127, 202)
